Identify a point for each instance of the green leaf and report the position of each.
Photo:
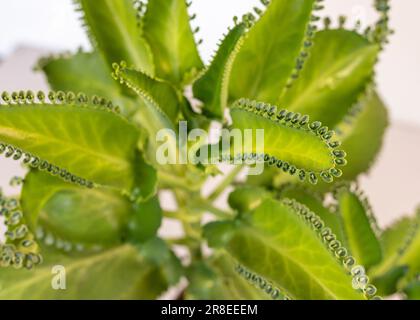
(388, 282)
(289, 143)
(167, 28)
(359, 225)
(85, 72)
(245, 199)
(72, 213)
(410, 252)
(156, 251)
(85, 139)
(160, 91)
(395, 240)
(114, 28)
(362, 135)
(145, 221)
(119, 273)
(413, 290)
(268, 55)
(277, 243)
(314, 202)
(212, 88)
(218, 280)
(340, 67)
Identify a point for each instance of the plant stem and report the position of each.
(226, 182)
(171, 181)
(209, 207)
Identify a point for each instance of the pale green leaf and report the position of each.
(338, 70)
(160, 91)
(363, 135)
(115, 30)
(86, 140)
(72, 213)
(167, 29)
(359, 226)
(119, 273)
(314, 202)
(268, 55)
(218, 280)
(292, 144)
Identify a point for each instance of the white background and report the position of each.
(54, 25)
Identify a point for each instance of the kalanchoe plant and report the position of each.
(90, 199)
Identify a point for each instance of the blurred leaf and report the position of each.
(88, 73)
(413, 290)
(338, 70)
(245, 199)
(359, 227)
(387, 283)
(119, 273)
(161, 92)
(362, 137)
(145, 221)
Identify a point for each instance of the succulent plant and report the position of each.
(92, 198)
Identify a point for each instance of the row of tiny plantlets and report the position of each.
(260, 283)
(53, 98)
(20, 249)
(301, 122)
(360, 281)
(34, 162)
(57, 98)
(307, 44)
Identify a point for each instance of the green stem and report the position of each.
(171, 181)
(227, 181)
(206, 206)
